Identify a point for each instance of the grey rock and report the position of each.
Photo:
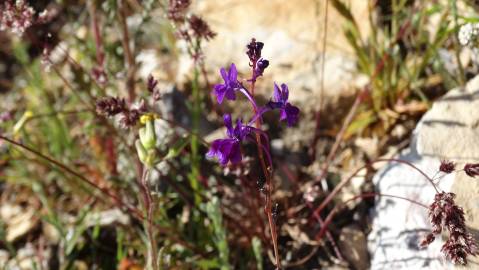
(449, 130)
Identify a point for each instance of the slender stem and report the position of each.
(258, 115)
(346, 181)
(339, 137)
(129, 58)
(100, 55)
(250, 96)
(331, 214)
(149, 207)
(267, 171)
(196, 113)
(328, 234)
(321, 91)
(457, 48)
(65, 168)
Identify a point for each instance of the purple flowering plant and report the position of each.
(228, 150)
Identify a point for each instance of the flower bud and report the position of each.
(472, 170)
(147, 156)
(142, 154)
(147, 133)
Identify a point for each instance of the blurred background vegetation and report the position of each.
(204, 217)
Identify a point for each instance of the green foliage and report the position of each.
(256, 243)
(214, 213)
(399, 55)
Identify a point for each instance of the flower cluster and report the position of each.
(200, 29)
(177, 10)
(447, 166)
(444, 214)
(259, 64)
(111, 106)
(229, 149)
(16, 16)
(468, 33)
(191, 27)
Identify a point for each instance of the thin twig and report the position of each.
(65, 168)
(129, 59)
(346, 181)
(331, 214)
(321, 76)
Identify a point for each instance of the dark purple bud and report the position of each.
(151, 83)
(254, 50)
(447, 166)
(472, 169)
(261, 65)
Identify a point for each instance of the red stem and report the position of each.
(331, 214)
(267, 171)
(346, 181)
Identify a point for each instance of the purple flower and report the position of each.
(288, 112)
(229, 149)
(230, 85)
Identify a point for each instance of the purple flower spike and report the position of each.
(229, 149)
(230, 85)
(288, 112)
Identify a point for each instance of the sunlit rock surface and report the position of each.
(450, 130)
(292, 32)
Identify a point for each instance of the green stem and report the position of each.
(457, 48)
(196, 113)
(152, 261)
